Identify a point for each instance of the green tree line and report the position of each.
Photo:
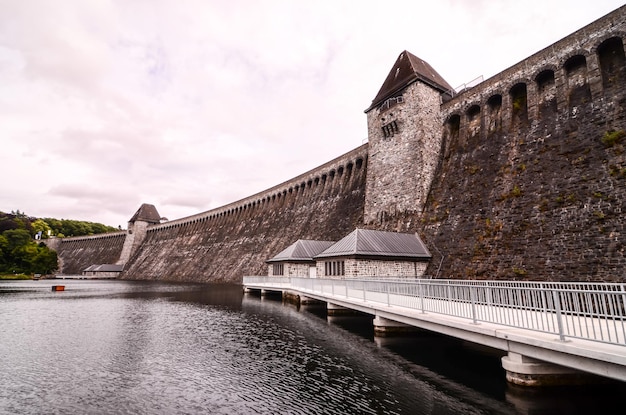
(21, 252)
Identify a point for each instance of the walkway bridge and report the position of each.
(553, 332)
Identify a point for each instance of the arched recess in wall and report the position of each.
(519, 104)
(452, 130)
(473, 121)
(349, 168)
(546, 94)
(578, 91)
(612, 62)
(493, 119)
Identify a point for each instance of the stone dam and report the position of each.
(522, 176)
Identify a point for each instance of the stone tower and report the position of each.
(137, 229)
(404, 132)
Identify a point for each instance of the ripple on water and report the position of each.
(157, 351)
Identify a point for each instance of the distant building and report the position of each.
(297, 260)
(103, 271)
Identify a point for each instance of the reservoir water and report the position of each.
(116, 347)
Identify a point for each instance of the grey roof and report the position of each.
(408, 69)
(301, 250)
(104, 268)
(146, 213)
(370, 243)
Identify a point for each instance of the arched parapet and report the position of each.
(100, 236)
(473, 119)
(573, 85)
(451, 131)
(598, 41)
(576, 72)
(493, 113)
(348, 167)
(546, 92)
(611, 60)
(518, 104)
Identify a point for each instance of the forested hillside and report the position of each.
(20, 249)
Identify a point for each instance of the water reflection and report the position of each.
(473, 373)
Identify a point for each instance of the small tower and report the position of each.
(404, 132)
(137, 229)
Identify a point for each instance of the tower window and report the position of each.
(391, 102)
(390, 129)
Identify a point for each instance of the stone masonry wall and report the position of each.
(290, 270)
(78, 253)
(532, 181)
(375, 268)
(235, 240)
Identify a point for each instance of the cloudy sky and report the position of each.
(193, 104)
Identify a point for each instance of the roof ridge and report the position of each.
(407, 69)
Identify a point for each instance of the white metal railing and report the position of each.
(592, 311)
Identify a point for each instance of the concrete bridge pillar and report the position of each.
(337, 310)
(526, 371)
(304, 300)
(384, 327)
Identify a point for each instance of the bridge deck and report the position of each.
(580, 340)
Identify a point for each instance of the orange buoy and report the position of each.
(58, 288)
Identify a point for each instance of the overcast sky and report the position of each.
(193, 104)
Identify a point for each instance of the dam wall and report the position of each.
(521, 177)
(234, 240)
(77, 253)
(532, 176)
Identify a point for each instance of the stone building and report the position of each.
(297, 259)
(370, 253)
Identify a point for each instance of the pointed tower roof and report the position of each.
(301, 250)
(370, 243)
(408, 69)
(146, 213)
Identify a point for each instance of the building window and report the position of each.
(390, 129)
(278, 269)
(391, 102)
(334, 268)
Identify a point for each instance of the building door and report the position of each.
(312, 272)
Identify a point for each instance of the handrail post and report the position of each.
(473, 300)
(363, 285)
(557, 307)
(421, 294)
(388, 289)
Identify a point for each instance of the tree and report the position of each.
(19, 253)
(44, 261)
(17, 238)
